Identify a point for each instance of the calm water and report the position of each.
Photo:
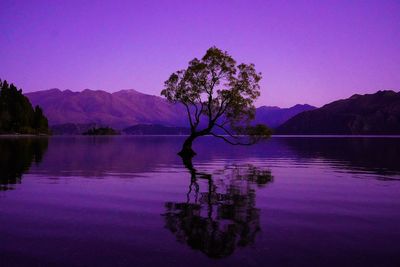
(130, 201)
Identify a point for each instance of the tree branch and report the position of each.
(195, 112)
(189, 115)
(200, 112)
(221, 110)
(226, 131)
(230, 142)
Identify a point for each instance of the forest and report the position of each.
(17, 116)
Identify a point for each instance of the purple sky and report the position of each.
(308, 51)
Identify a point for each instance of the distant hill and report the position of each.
(75, 112)
(101, 131)
(118, 110)
(138, 129)
(71, 112)
(377, 113)
(155, 129)
(71, 128)
(17, 114)
(275, 116)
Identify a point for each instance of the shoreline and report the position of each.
(25, 135)
(180, 135)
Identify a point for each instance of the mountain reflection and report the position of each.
(124, 156)
(16, 157)
(222, 216)
(377, 155)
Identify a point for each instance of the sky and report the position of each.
(308, 51)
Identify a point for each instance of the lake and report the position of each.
(131, 201)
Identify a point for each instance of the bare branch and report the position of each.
(196, 115)
(189, 115)
(226, 131)
(200, 112)
(230, 142)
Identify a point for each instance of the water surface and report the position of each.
(131, 201)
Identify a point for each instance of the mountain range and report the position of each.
(119, 110)
(377, 113)
(74, 111)
(275, 116)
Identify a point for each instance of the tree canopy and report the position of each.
(218, 95)
(17, 114)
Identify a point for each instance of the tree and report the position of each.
(218, 96)
(40, 122)
(17, 114)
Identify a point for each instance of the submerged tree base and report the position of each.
(187, 153)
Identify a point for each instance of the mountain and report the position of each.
(73, 112)
(275, 116)
(118, 110)
(377, 113)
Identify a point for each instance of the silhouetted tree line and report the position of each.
(101, 131)
(17, 114)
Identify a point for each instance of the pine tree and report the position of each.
(17, 114)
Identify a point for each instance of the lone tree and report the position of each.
(218, 96)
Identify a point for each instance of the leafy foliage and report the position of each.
(218, 94)
(17, 114)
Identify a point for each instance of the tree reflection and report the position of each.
(16, 157)
(222, 216)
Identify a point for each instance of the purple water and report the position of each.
(130, 201)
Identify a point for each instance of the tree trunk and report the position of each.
(187, 150)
